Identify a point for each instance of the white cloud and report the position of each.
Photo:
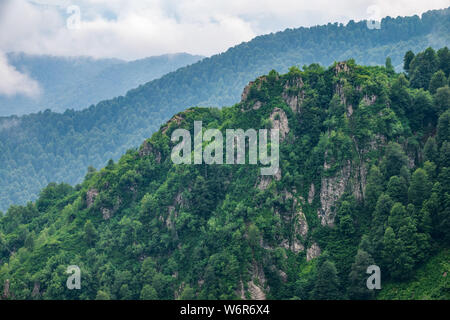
(138, 28)
(13, 82)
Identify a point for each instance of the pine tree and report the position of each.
(437, 81)
(357, 279)
(327, 282)
(420, 187)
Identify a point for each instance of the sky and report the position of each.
(133, 29)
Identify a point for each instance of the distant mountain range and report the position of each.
(76, 83)
(47, 146)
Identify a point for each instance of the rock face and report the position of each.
(6, 293)
(293, 94)
(257, 291)
(311, 193)
(280, 122)
(106, 213)
(298, 223)
(341, 67)
(331, 190)
(312, 252)
(36, 289)
(90, 197)
(368, 101)
(246, 92)
(301, 225)
(147, 149)
(264, 181)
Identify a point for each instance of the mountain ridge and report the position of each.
(67, 143)
(363, 178)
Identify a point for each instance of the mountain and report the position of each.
(47, 146)
(74, 83)
(363, 180)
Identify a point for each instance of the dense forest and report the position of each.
(77, 82)
(364, 179)
(52, 147)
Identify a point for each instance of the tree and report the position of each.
(397, 189)
(327, 282)
(102, 295)
(357, 278)
(389, 66)
(397, 216)
(422, 67)
(125, 293)
(148, 270)
(409, 56)
(148, 293)
(420, 187)
(437, 81)
(441, 100)
(374, 187)
(394, 159)
(430, 150)
(188, 293)
(444, 60)
(443, 128)
(90, 234)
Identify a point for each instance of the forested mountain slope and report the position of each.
(76, 83)
(364, 179)
(44, 147)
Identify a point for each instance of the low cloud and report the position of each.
(131, 29)
(15, 83)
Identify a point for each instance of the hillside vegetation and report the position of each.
(77, 82)
(364, 179)
(40, 148)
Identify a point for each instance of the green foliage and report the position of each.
(144, 228)
(46, 146)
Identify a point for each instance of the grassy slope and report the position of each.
(431, 281)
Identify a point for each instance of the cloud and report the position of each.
(138, 28)
(13, 82)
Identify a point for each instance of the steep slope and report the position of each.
(362, 180)
(48, 147)
(75, 83)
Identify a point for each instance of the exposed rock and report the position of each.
(246, 92)
(147, 149)
(297, 246)
(265, 180)
(359, 185)
(331, 190)
(341, 67)
(176, 119)
(283, 275)
(257, 105)
(293, 95)
(311, 193)
(173, 214)
(285, 244)
(349, 111)
(36, 288)
(90, 197)
(280, 122)
(368, 101)
(312, 252)
(241, 291)
(257, 291)
(6, 292)
(106, 213)
(297, 222)
(301, 225)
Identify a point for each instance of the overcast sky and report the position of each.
(132, 29)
